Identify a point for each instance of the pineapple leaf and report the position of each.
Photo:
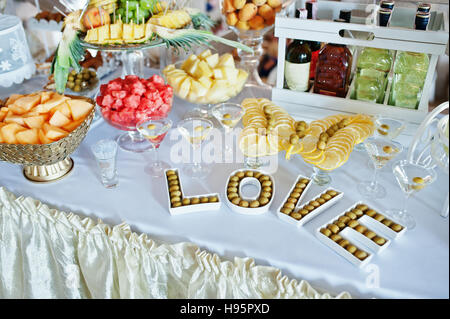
(68, 54)
(61, 75)
(201, 20)
(186, 38)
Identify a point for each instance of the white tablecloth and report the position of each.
(416, 265)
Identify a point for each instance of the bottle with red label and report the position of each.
(333, 70)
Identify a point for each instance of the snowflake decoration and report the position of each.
(18, 50)
(5, 65)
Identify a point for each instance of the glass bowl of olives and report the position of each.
(85, 80)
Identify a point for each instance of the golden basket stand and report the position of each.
(45, 163)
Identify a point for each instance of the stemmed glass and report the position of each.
(195, 131)
(380, 151)
(411, 178)
(229, 115)
(155, 130)
(388, 128)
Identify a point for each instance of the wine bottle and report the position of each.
(315, 47)
(298, 64)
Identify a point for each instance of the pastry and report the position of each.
(247, 12)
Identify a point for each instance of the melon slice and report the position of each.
(58, 119)
(46, 96)
(72, 125)
(26, 102)
(3, 112)
(63, 108)
(13, 98)
(42, 138)
(54, 101)
(79, 108)
(53, 132)
(35, 121)
(11, 118)
(9, 132)
(28, 136)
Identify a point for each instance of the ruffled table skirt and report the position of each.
(46, 253)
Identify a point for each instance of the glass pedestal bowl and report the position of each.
(204, 102)
(252, 38)
(132, 140)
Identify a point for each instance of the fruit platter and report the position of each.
(129, 26)
(41, 130)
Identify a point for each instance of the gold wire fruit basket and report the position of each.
(44, 163)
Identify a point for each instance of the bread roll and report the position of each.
(266, 12)
(239, 4)
(228, 6)
(274, 3)
(232, 18)
(248, 12)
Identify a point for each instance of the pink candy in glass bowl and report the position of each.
(124, 103)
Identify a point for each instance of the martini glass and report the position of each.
(155, 130)
(411, 178)
(380, 151)
(195, 131)
(229, 115)
(388, 128)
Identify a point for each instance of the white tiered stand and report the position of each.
(400, 35)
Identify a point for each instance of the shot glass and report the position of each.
(105, 152)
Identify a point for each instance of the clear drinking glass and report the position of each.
(105, 152)
(196, 131)
(155, 130)
(380, 151)
(411, 178)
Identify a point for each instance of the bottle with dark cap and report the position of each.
(345, 15)
(311, 6)
(384, 16)
(421, 21)
(424, 7)
(315, 48)
(387, 4)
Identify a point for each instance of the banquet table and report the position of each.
(414, 266)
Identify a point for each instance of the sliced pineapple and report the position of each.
(212, 60)
(173, 19)
(139, 31)
(103, 33)
(128, 32)
(92, 35)
(226, 60)
(205, 54)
